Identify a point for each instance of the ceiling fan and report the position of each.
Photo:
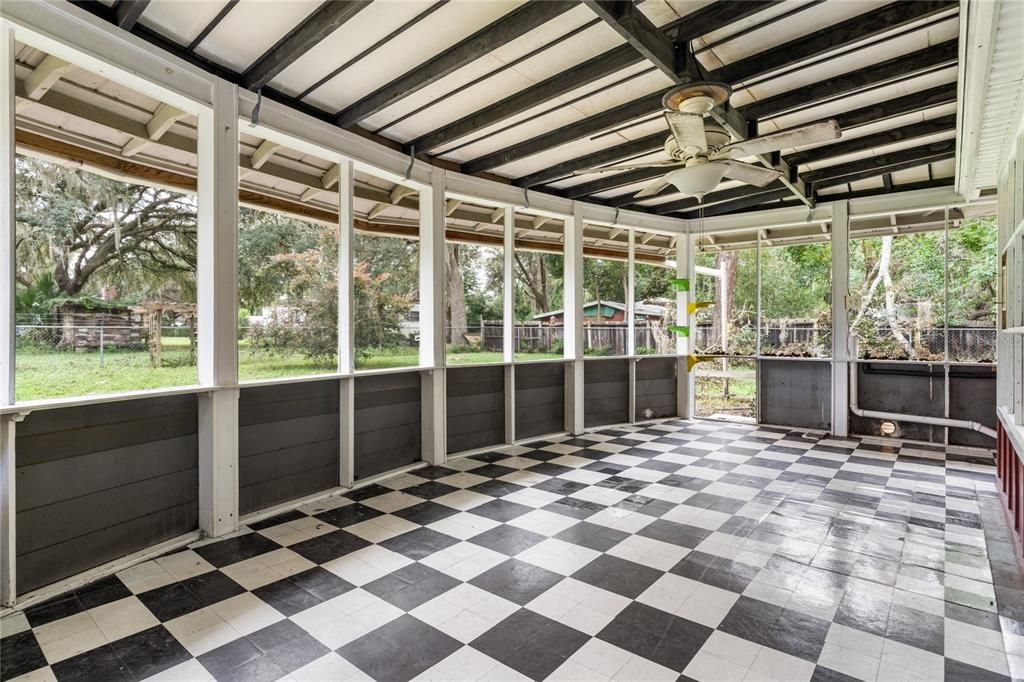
(701, 151)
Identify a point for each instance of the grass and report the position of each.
(46, 373)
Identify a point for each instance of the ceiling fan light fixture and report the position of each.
(697, 180)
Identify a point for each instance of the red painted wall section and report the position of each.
(1010, 471)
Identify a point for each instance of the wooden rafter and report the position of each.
(324, 21)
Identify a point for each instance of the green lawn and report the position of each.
(47, 373)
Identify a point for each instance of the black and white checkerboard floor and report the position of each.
(680, 550)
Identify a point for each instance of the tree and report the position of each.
(84, 228)
(457, 327)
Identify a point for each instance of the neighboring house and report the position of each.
(605, 311)
(410, 325)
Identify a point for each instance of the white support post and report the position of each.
(631, 320)
(573, 320)
(840, 319)
(346, 255)
(508, 316)
(685, 269)
(7, 209)
(346, 322)
(432, 281)
(217, 284)
(508, 321)
(8, 509)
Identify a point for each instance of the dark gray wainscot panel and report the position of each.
(795, 393)
(907, 388)
(97, 482)
(656, 388)
(540, 399)
(387, 422)
(287, 442)
(972, 396)
(476, 407)
(605, 392)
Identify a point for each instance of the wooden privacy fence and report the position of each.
(610, 337)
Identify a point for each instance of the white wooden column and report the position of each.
(432, 287)
(217, 286)
(573, 320)
(346, 324)
(8, 591)
(508, 321)
(631, 321)
(685, 269)
(840, 319)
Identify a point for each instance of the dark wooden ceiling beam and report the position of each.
(593, 69)
(128, 12)
(610, 181)
(573, 131)
(899, 106)
(831, 38)
(879, 165)
(324, 21)
(643, 145)
(942, 124)
(944, 53)
(744, 202)
(694, 25)
(906, 187)
(637, 30)
(500, 32)
(713, 198)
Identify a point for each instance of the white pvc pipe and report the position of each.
(896, 416)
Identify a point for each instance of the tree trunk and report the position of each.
(890, 297)
(457, 328)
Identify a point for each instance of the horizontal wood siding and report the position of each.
(97, 482)
(387, 422)
(287, 442)
(475, 407)
(540, 399)
(795, 393)
(605, 392)
(656, 388)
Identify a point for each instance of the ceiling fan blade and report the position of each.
(626, 167)
(652, 189)
(688, 129)
(784, 139)
(758, 176)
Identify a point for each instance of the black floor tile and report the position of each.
(501, 510)
(516, 581)
(324, 548)
(53, 609)
(916, 628)
(233, 550)
(425, 513)
(618, 575)
(287, 597)
(962, 672)
(530, 643)
(751, 619)
(419, 544)
(349, 515)
(507, 539)
(430, 490)
(400, 650)
(20, 654)
(411, 586)
(592, 536)
(798, 634)
(293, 515)
(101, 663)
(656, 635)
(675, 533)
(151, 651)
